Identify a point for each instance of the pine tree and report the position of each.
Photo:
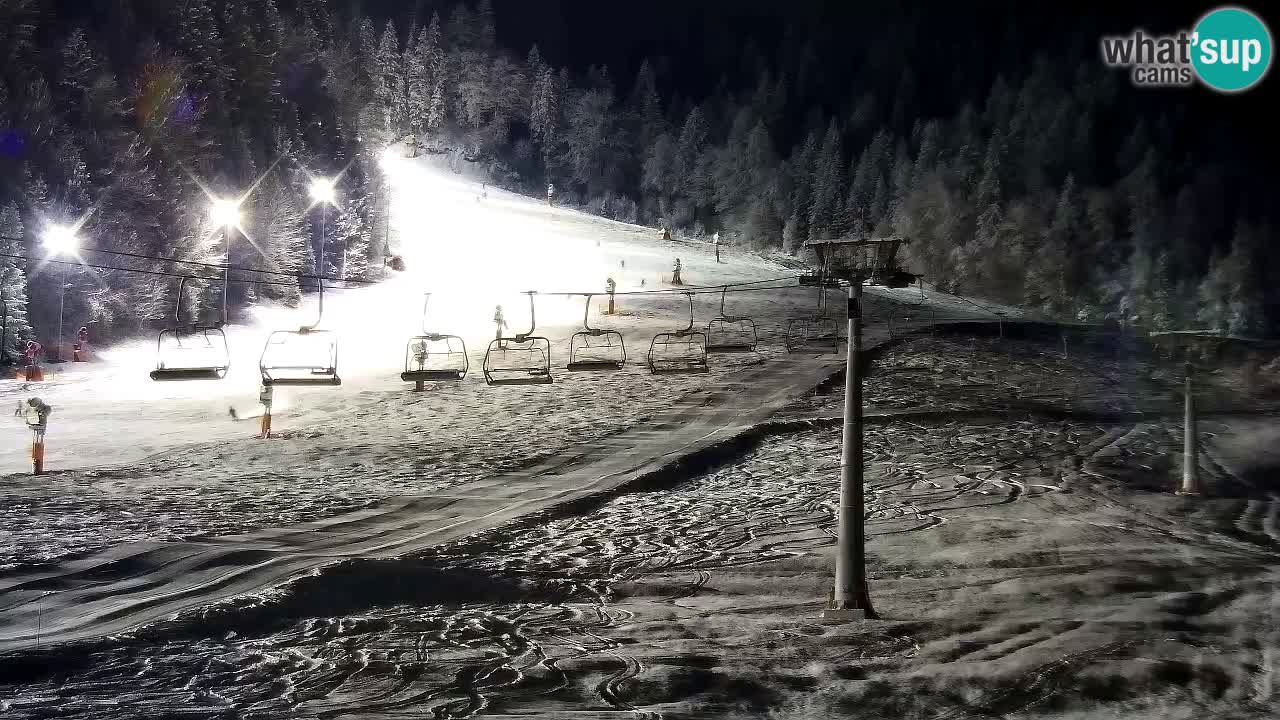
(462, 30)
(78, 68)
(1246, 274)
(544, 101)
(389, 88)
(828, 173)
(200, 44)
(432, 49)
(763, 226)
(1060, 283)
(930, 148)
(646, 106)
(659, 170)
(800, 168)
(487, 31)
(693, 139)
(418, 81)
(272, 31)
(1213, 297)
(13, 281)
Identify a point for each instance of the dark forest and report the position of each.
(1028, 173)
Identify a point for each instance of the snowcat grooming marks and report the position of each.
(204, 356)
(679, 351)
(527, 363)
(594, 348)
(433, 357)
(730, 333)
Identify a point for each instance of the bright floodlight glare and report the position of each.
(225, 213)
(61, 240)
(322, 191)
(388, 158)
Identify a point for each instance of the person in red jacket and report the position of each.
(31, 353)
(78, 349)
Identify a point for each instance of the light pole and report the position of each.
(323, 193)
(225, 214)
(387, 161)
(61, 240)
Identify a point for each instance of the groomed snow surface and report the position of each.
(1027, 557)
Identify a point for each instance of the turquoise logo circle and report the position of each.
(1231, 49)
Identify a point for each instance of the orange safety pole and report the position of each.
(265, 397)
(37, 452)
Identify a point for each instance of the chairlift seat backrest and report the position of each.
(682, 350)
(610, 354)
(522, 359)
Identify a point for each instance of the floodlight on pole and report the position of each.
(225, 213)
(387, 160)
(61, 240)
(323, 192)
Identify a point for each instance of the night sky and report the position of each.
(694, 44)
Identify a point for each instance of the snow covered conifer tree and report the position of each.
(828, 172)
(13, 278)
(389, 87)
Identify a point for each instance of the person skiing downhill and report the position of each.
(501, 324)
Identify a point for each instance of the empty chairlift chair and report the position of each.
(818, 333)
(307, 356)
(193, 351)
(730, 333)
(434, 357)
(523, 359)
(683, 350)
(595, 348)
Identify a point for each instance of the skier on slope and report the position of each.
(675, 275)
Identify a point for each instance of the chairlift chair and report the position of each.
(304, 357)
(730, 333)
(683, 350)
(194, 351)
(524, 359)
(434, 357)
(819, 333)
(596, 348)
